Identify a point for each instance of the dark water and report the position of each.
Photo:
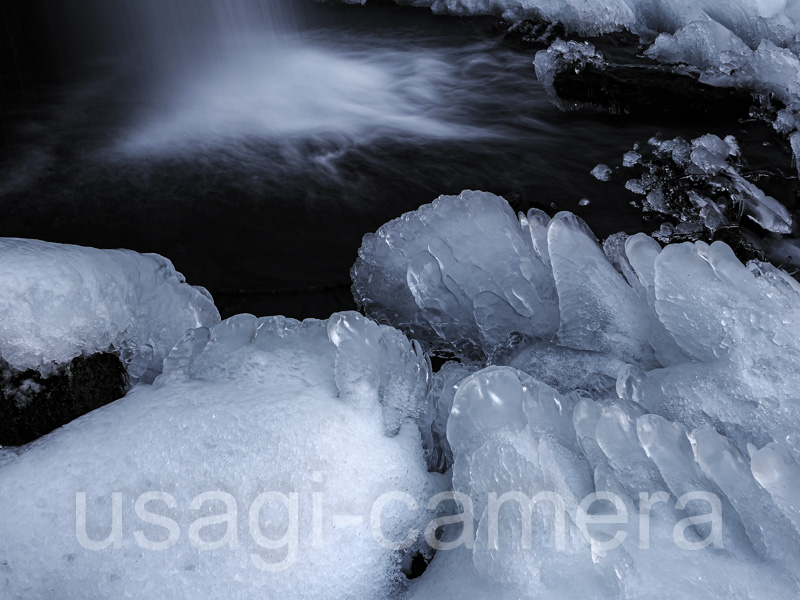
(257, 157)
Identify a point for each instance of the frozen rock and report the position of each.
(563, 56)
(253, 406)
(58, 302)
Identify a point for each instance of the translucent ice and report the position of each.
(59, 301)
(460, 273)
(252, 407)
(688, 332)
(700, 183)
(465, 274)
(530, 463)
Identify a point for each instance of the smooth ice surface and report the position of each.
(511, 434)
(324, 409)
(59, 301)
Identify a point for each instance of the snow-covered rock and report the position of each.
(326, 410)
(60, 301)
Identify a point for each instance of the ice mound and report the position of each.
(59, 301)
(202, 468)
(664, 391)
(688, 332)
(465, 274)
(460, 273)
(595, 498)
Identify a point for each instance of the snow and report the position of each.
(249, 407)
(59, 301)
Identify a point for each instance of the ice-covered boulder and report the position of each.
(465, 274)
(688, 332)
(459, 273)
(60, 301)
(256, 466)
(561, 497)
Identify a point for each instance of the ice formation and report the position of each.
(329, 410)
(700, 182)
(465, 274)
(562, 56)
(59, 301)
(676, 371)
(550, 453)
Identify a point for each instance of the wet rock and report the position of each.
(32, 405)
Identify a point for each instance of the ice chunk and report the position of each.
(255, 406)
(602, 172)
(599, 310)
(59, 301)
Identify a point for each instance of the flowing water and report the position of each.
(254, 142)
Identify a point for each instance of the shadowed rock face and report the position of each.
(646, 91)
(32, 406)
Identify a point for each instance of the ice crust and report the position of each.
(60, 301)
(676, 370)
(248, 407)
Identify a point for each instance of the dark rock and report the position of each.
(649, 90)
(32, 405)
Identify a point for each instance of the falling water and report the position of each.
(255, 141)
